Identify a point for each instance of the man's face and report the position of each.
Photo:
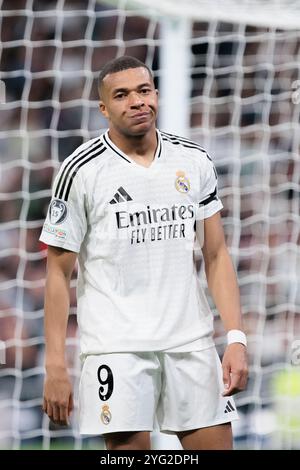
(129, 101)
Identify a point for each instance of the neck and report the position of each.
(137, 147)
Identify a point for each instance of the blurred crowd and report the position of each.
(242, 112)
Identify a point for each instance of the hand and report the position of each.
(58, 396)
(235, 370)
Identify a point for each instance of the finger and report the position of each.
(226, 378)
(234, 385)
(49, 410)
(71, 404)
(243, 381)
(44, 406)
(55, 414)
(231, 391)
(63, 415)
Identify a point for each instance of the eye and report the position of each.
(119, 96)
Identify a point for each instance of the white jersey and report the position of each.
(134, 230)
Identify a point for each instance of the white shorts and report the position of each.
(134, 391)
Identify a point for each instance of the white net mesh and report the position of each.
(244, 108)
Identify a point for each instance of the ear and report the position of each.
(103, 109)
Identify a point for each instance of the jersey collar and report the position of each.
(158, 152)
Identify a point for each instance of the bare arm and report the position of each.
(222, 283)
(220, 274)
(58, 401)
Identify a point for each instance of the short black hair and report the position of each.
(121, 63)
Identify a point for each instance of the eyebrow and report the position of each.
(118, 90)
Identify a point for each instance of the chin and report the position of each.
(141, 129)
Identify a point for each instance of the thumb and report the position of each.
(226, 377)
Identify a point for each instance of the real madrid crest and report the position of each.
(105, 415)
(182, 183)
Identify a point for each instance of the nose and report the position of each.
(135, 100)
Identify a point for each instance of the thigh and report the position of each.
(118, 393)
(128, 441)
(212, 438)
(191, 396)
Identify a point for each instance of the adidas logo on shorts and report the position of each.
(120, 196)
(229, 407)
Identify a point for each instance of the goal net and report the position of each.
(229, 78)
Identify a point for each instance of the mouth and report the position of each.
(139, 116)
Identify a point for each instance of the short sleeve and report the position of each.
(209, 199)
(65, 225)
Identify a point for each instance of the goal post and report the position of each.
(282, 14)
(175, 79)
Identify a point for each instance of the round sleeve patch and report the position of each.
(57, 212)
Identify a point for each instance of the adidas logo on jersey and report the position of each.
(229, 407)
(120, 196)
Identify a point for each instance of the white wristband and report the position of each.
(236, 336)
